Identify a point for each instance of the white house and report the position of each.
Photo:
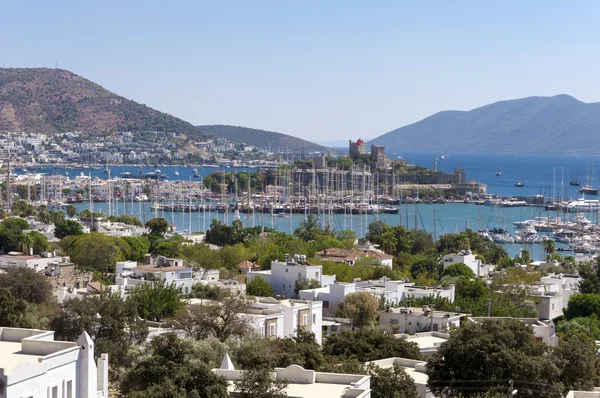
(170, 270)
(544, 331)
(468, 258)
(283, 275)
(416, 320)
(266, 322)
(305, 383)
(35, 262)
(33, 365)
(392, 291)
(296, 314)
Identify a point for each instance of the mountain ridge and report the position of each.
(556, 124)
(262, 138)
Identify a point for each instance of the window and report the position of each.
(436, 327)
(317, 274)
(186, 290)
(304, 319)
(314, 318)
(286, 270)
(393, 321)
(69, 388)
(325, 304)
(299, 275)
(54, 392)
(272, 330)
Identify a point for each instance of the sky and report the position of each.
(322, 71)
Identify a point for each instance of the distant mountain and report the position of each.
(41, 100)
(262, 138)
(559, 124)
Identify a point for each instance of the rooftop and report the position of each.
(155, 268)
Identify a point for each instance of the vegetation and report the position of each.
(156, 301)
(259, 287)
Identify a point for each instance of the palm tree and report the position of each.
(549, 247)
(25, 242)
(463, 243)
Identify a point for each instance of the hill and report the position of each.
(41, 100)
(559, 124)
(262, 138)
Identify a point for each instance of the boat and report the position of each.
(498, 174)
(589, 190)
(390, 210)
(574, 183)
(443, 157)
(519, 184)
(196, 174)
(583, 205)
(176, 173)
(125, 174)
(281, 215)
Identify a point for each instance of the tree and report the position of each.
(25, 243)
(505, 350)
(369, 344)
(67, 228)
(470, 288)
(217, 319)
(112, 322)
(308, 228)
(12, 309)
(577, 358)
(391, 382)
(304, 284)
(362, 308)
(259, 383)
(39, 243)
(259, 287)
(583, 305)
(458, 269)
(549, 247)
(99, 251)
(26, 284)
(169, 367)
(157, 226)
(157, 300)
(140, 245)
(71, 211)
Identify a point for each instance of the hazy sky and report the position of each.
(322, 70)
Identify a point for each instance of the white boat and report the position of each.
(176, 173)
(583, 205)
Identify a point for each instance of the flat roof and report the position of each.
(11, 356)
(154, 268)
(426, 341)
(418, 377)
(311, 390)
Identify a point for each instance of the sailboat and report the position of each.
(498, 173)
(574, 182)
(587, 188)
(196, 174)
(519, 183)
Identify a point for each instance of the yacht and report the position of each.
(519, 184)
(176, 173)
(587, 189)
(196, 174)
(583, 205)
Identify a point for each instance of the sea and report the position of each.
(544, 174)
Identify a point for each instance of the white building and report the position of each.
(416, 320)
(170, 270)
(283, 275)
(35, 262)
(468, 258)
(296, 314)
(33, 365)
(306, 383)
(392, 291)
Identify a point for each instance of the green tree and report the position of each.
(157, 301)
(12, 309)
(112, 323)
(583, 305)
(39, 243)
(308, 229)
(391, 382)
(99, 251)
(470, 288)
(304, 284)
(458, 269)
(362, 308)
(67, 228)
(369, 344)
(549, 247)
(140, 245)
(157, 226)
(590, 278)
(169, 367)
(259, 287)
(71, 211)
(505, 350)
(26, 284)
(577, 358)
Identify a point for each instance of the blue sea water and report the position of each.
(542, 174)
